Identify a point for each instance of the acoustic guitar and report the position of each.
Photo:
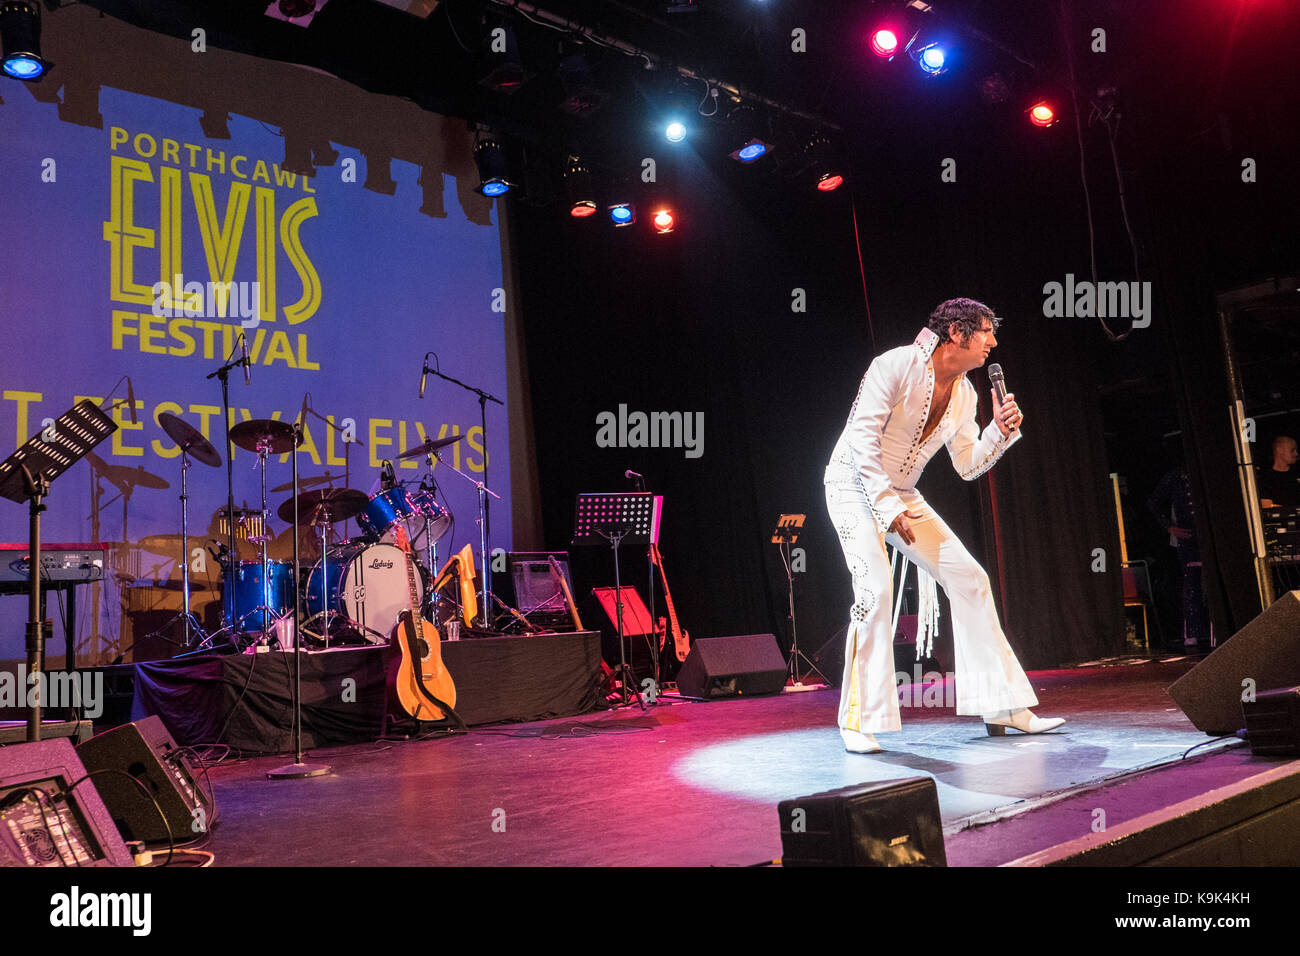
(422, 685)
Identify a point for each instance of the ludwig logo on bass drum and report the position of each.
(379, 563)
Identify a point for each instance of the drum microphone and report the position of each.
(424, 372)
(243, 352)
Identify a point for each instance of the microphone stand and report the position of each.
(228, 600)
(483, 492)
(483, 399)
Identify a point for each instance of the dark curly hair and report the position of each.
(967, 313)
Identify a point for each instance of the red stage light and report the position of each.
(581, 210)
(663, 221)
(830, 181)
(884, 42)
(1042, 114)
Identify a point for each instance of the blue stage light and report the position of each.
(23, 67)
(495, 187)
(675, 132)
(622, 214)
(20, 40)
(931, 59)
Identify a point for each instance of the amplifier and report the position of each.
(61, 562)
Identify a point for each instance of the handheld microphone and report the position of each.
(998, 381)
(243, 352)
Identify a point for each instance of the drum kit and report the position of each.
(355, 589)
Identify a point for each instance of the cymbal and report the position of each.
(276, 436)
(429, 445)
(124, 478)
(324, 479)
(189, 439)
(339, 503)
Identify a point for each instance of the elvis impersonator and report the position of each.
(913, 399)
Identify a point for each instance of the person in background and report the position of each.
(1171, 505)
(1279, 486)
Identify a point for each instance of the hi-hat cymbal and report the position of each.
(324, 479)
(190, 439)
(325, 504)
(276, 437)
(429, 445)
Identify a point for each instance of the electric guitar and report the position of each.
(681, 639)
(422, 685)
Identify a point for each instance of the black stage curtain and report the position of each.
(706, 319)
(246, 700)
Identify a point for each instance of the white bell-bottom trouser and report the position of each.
(989, 678)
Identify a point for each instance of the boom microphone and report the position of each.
(424, 373)
(243, 351)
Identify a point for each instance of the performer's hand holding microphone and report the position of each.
(1005, 410)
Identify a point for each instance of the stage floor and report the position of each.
(692, 784)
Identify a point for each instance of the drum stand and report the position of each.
(267, 611)
(191, 623)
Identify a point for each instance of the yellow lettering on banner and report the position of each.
(171, 152)
(410, 463)
(290, 225)
(279, 349)
(121, 415)
(330, 432)
(304, 363)
(23, 399)
(234, 166)
(170, 450)
(477, 445)
(265, 203)
(177, 329)
(220, 243)
(169, 240)
(122, 234)
(116, 137)
(284, 177)
(120, 327)
(206, 413)
(375, 441)
(148, 333)
(209, 329)
(260, 174)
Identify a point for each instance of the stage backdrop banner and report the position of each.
(153, 216)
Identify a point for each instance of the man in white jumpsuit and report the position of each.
(912, 400)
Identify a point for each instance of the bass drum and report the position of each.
(367, 585)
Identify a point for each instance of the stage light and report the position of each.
(503, 69)
(577, 184)
(675, 132)
(622, 214)
(829, 182)
(1042, 114)
(884, 42)
(490, 159)
(20, 39)
(931, 59)
(752, 151)
(663, 221)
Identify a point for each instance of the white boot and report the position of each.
(1023, 720)
(858, 743)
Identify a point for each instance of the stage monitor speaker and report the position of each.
(742, 665)
(50, 814)
(887, 823)
(1263, 655)
(146, 751)
(1273, 723)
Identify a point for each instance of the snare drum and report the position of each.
(367, 584)
(250, 591)
(395, 506)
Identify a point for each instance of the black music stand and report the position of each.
(26, 475)
(610, 518)
(786, 534)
